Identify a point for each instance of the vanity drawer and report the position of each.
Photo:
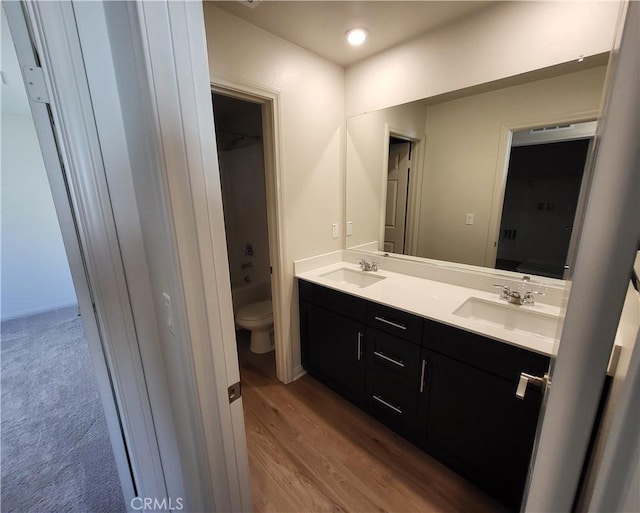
(496, 357)
(395, 322)
(397, 359)
(392, 404)
(339, 302)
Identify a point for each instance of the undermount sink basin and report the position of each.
(359, 279)
(510, 317)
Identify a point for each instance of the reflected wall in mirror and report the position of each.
(457, 174)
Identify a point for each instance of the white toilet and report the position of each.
(257, 318)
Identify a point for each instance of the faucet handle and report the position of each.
(374, 266)
(528, 297)
(506, 291)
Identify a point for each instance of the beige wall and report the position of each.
(505, 40)
(464, 157)
(311, 97)
(367, 151)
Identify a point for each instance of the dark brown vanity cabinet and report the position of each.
(333, 333)
(469, 416)
(449, 391)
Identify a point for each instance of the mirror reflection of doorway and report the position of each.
(544, 190)
(398, 174)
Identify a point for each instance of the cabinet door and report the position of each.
(472, 421)
(333, 350)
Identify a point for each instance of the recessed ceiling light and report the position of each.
(356, 36)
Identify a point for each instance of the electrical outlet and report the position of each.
(470, 218)
(349, 228)
(335, 230)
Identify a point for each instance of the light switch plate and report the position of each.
(349, 228)
(470, 218)
(335, 230)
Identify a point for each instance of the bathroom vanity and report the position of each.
(448, 389)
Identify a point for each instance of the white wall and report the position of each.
(35, 271)
(463, 156)
(508, 39)
(35, 274)
(311, 97)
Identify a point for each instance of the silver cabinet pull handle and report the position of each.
(359, 345)
(391, 406)
(423, 374)
(526, 379)
(394, 324)
(399, 363)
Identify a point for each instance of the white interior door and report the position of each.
(88, 300)
(397, 193)
(600, 280)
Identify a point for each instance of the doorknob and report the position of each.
(536, 381)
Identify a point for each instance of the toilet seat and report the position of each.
(260, 311)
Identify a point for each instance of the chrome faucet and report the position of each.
(366, 266)
(521, 297)
(511, 296)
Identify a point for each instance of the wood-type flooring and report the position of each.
(312, 451)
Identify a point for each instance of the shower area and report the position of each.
(239, 140)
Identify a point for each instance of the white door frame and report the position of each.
(73, 163)
(177, 70)
(270, 108)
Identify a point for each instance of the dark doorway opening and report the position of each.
(540, 204)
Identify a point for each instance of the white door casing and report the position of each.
(276, 222)
(157, 53)
(175, 59)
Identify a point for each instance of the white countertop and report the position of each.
(436, 301)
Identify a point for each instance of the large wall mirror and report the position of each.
(495, 175)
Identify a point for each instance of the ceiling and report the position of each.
(320, 26)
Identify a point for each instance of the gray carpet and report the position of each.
(56, 454)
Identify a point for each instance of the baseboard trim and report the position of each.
(37, 311)
(298, 372)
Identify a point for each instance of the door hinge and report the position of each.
(36, 86)
(235, 392)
